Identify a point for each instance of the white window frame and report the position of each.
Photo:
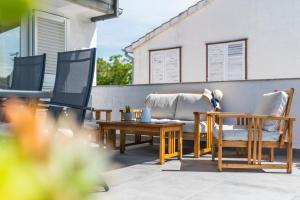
(222, 44)
(51, 16)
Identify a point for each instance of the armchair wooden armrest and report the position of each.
(102, 110)
(230, 114)
(241, 118)
(201, 113)
(271, 117)
(106, 111)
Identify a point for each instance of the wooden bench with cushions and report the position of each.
(180, 107)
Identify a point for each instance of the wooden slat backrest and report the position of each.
(290, 93)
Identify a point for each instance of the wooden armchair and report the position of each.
(285, 131)
(249, 133)
(285, 141)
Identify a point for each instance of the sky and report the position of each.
(139, 17)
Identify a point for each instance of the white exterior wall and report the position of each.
(81, 31)
(239, 96)
(82, 34)
(271, 26)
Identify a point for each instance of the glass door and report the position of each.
(9, 48)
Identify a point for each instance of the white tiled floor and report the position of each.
(137, 175)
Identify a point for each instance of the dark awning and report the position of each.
(110, 8)
(105, 6)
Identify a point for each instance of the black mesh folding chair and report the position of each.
(28, 73)
(73, 83)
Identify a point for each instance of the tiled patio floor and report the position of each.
(136, 175)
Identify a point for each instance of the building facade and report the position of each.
(270, 29)
(53, 26)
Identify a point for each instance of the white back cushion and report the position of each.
(162, 105)
(272, 104)
(189, 103)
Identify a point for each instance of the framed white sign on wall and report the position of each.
(165, 65)
(226, 60)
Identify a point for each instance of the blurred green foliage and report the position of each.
(68, 172)
(116, 71)
(12, 10)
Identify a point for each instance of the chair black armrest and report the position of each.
(48, 104)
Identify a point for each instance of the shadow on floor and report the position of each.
(134, 156)
(141, 154)
(210, 166)
(146, 154)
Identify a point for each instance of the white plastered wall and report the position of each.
(81, 31)
(271, 26)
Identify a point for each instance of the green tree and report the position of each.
(117, 70)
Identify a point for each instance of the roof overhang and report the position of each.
(103, 6)
(93, 10)
(109, 8)
(175, 20)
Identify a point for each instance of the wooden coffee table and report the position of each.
(164, 130)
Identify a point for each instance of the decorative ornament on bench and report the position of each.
(146, 115)
(214, 97)
(128, 115)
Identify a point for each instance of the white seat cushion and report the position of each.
(162, 106)
(232, 132)
(272, 104)
(188, 127)
(270, 136)
(187, 104)
(240, 133)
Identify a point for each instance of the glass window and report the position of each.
(9, 48)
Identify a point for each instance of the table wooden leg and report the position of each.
(114, 139)
(162, 146)
(138, 139)
(152, 140)
(255, 141)
(175, 150)
(170, 143)
(100, 137)
(180, 144)
(260, 141)
(122, 141)
(111, 138)
(105, 137)
(174, 141)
